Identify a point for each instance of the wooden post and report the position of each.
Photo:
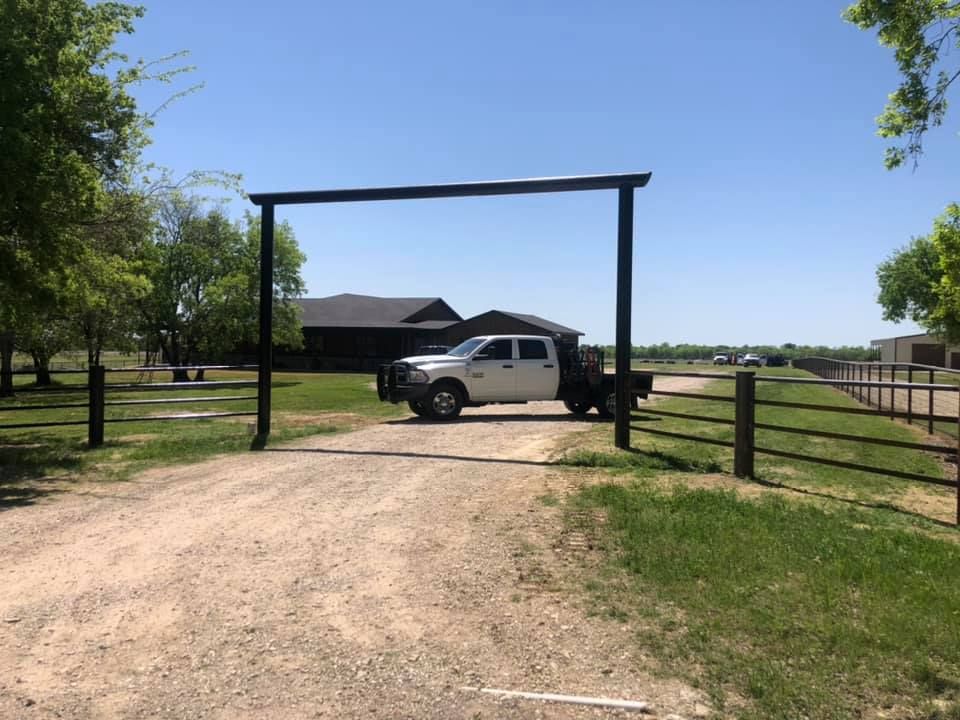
(910, 395)
(930, 413)
(860, 378)
(893, 390)
(880, 389)
(744, 424)
(96, 380)
(958, 462)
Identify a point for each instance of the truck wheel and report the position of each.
(418, 407)
(444, 402)
(577, 408)
(608, 406)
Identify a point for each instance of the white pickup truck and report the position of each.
(503, 369)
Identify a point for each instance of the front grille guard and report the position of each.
(390, 376)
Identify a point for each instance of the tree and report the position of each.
(908, 282)
(921, 34)
(43, 335)
(67, 125)
(204, 272)
(921, 281)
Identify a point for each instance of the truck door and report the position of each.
(493, 372)
(537, 374)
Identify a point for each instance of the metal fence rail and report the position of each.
(745, 425)
(918, 398)
(98, 389)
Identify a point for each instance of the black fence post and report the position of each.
(621, 431)
(744, 424)
(893, 393)
(96, 381)
(910, 395)
(265, 349)
(879, 389)
(930, 411)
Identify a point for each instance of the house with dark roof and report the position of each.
(359, 332)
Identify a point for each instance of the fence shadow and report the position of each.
(413, 455)
(559, 417)
(30, 470)
(866, 504)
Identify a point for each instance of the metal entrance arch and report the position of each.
(623, 183)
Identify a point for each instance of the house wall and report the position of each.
(353, 349)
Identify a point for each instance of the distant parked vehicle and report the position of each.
(720, 359)
(751, 360)
(739, 358)
(776, 361)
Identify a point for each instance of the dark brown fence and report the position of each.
(98, 400)
(913, 401)
(744, 422)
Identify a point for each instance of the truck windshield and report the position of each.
(466, 347)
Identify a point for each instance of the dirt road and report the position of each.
(370, 574)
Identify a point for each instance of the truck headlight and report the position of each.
(417, 376)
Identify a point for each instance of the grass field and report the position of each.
(813, 592)
(38, 461)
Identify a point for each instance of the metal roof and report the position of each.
(534, 320)
(349, 310)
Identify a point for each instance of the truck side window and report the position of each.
(532, 350)
(499, 350)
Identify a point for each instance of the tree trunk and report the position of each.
(41, 367)
(199, 376)
(6, 364)
(173, 356)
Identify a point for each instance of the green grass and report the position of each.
(866, 486)
(39, 461)
(781, 609)
(812, 592)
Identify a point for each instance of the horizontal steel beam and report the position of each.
(185, 416)
(468, 189)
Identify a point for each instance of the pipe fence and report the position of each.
(100, 397)
(744, 423)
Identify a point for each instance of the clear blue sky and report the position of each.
(769, 206)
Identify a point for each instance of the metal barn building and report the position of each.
(921, 349)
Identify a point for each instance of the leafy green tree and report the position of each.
(204, 272)
(42, 335)
(922, 34)
(908, 282)
(67, 126)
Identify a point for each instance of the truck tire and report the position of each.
(577, 408)
(444, 402)
(418, 407)
(607, 405)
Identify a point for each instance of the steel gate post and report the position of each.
(621, 432)
(744, 419)
(265, 360)
(96, 381)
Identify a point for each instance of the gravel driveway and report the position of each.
(371, 574)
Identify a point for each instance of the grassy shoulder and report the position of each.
(781, 609)
(812, 592)
(666, 453)
(38, 461)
